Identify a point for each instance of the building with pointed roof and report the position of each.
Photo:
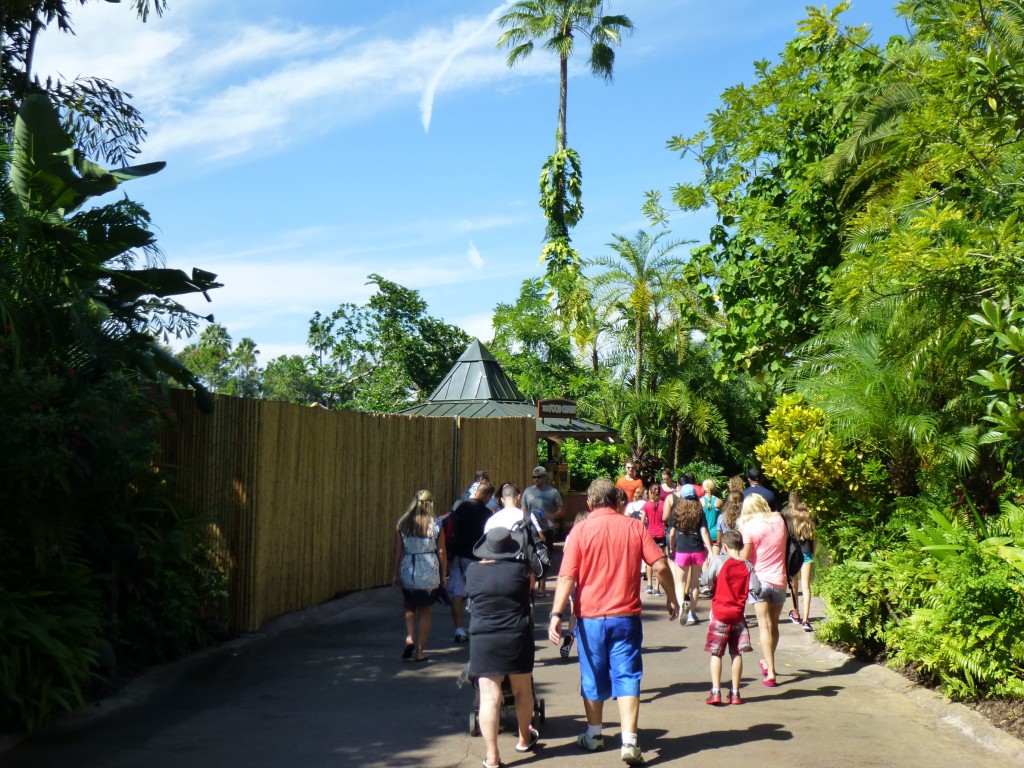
(476, 386)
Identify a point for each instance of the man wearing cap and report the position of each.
(544, 503)
(755, 479)
(601, 560)
(629, 482)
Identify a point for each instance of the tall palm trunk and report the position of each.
(639, 354)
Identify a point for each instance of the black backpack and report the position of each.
(534, 549)
(794, 558)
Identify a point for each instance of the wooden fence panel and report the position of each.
(303, 501)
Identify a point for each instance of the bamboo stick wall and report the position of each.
(304, 500)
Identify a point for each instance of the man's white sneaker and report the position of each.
(590, 743)
(631, 755)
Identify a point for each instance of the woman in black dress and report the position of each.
(501, 635)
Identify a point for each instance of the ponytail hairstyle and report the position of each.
(419, 515)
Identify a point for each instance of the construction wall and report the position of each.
(303, 501)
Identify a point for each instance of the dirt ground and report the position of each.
(1005, 714)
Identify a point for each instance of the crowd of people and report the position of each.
(491, 551)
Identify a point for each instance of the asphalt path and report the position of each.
(327, 687)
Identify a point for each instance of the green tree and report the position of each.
(533, 350)
(644, 281)
(558, 23)
(96, 114)
(384, 355)
(768, 264)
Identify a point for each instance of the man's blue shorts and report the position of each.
(609, 652)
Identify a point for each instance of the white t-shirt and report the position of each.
(506, 518)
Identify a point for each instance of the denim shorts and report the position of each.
(609, 652)
(771, 594)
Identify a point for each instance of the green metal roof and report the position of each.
(477, 387)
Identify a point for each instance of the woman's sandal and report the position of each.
(534, 737)
(764, 667)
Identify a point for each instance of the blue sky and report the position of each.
(311, 143)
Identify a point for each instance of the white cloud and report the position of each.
(467, 41)
(474, 256)
(225, 88)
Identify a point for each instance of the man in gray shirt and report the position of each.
(544, 503)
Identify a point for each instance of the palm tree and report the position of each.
(645, 280)
(558, 23)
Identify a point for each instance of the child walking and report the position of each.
(731, 579)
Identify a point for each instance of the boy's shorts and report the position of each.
(609, 652)
(735, 636)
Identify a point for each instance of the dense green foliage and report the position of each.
(865, 264)
(99, 566)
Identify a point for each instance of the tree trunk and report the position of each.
(639, 354)
(563, 97)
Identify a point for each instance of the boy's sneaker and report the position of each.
(734, 697)
(566, 645)
(590, 743)
(631, 755)
(715, 698)
(461, 636)
(691, 619)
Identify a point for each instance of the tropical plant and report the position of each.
(558, 23)
(643, 281)
(1003, 331)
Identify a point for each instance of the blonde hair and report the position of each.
(688, 515)
(799, 519)
(709, 485)
(754, 505)
(419, 515)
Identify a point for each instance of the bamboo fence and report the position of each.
(303, 501)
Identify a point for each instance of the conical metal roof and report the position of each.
(476, 375)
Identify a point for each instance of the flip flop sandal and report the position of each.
(421, 659)
(534, 737)
(764, 667)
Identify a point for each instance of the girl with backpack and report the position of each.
(800, 523)
(420, 568)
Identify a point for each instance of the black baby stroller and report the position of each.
(508, 706)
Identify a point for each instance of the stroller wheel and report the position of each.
(474, 726)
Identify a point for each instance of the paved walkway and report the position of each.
(326, 687)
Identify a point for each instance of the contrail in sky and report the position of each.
(427, 101)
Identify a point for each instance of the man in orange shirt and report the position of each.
(601, 558)
(629, 482)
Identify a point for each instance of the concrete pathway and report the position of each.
(326, 687)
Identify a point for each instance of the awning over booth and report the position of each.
(477, 387)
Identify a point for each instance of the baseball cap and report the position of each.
(688, 492)
(538, 471)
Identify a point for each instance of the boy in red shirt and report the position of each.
(731, 579)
